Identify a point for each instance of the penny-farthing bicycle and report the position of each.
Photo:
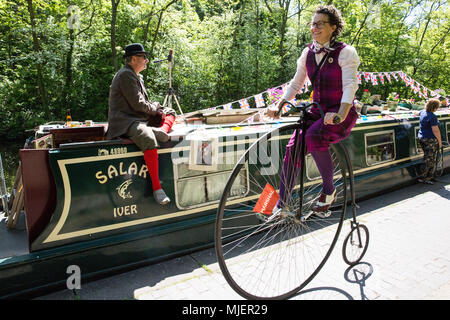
(267, 256)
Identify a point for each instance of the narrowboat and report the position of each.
(87, 201)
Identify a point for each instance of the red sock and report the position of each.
(151, 160)
(168, 123)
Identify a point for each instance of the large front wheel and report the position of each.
(266, 256)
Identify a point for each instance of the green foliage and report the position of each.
(224, 50)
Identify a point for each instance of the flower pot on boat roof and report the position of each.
(392, 105)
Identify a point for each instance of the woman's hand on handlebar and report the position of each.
(274, 111)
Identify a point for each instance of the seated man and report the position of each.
(132, 115)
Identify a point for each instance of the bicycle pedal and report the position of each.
(306, 216)
(260, 217)
(268, 218)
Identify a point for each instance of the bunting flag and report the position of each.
(369, 77)
(293, 101)
(259, 101)
(394, 75)
(228, 106)
(406, 79)
(244, 104)
(415, 86)
(285, 108)
(374, 79)
(381, 76)
(261, 114)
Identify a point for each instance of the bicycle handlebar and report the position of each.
(303, 106)
(306, 105)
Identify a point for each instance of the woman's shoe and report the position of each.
(324, 202)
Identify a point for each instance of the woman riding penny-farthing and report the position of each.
(275, 238)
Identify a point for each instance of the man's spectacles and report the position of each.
(141, 55)
(318, 24)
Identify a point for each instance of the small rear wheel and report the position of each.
(355, 244)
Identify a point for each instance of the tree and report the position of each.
(36, 49)
(114, 7)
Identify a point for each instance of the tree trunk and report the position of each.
(36, 50)
(424, 32)
(68, 87)
(155, 34)
(115, 5)
(67, 90)
(257, 48)
(281, 49)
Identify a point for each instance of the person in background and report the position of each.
(334, 87)
(430, 140)
(132, 115)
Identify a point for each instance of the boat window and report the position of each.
(380, 147)
(418, 147)
(197, 188)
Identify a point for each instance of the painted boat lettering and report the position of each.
(106, 152)
(113, 172)
(125, 210)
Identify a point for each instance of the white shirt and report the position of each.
(348, 61)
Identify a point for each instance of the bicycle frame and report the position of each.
(303, 119)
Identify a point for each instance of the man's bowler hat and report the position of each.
(133, 49)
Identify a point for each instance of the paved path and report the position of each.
(408, 258)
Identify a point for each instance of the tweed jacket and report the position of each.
(128, 102)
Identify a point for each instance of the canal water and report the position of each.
(9, 151)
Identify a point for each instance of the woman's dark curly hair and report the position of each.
(335, 17)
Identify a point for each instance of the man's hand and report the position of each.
(161, 113)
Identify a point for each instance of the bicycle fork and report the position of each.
(298, 214)
(354, 223)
